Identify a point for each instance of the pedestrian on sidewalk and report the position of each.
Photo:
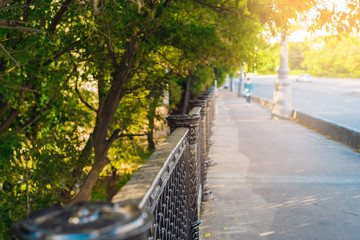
(248, 87)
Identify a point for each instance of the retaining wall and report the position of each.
(346, 135)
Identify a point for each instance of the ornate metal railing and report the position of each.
(172, 182)
(168, 188)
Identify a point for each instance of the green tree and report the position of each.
(333, 57)
(77, 77)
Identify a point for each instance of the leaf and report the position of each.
(207, 234)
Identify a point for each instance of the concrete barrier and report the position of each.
(342, 134)
(263, 102)
(346, 135)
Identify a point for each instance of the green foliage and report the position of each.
(204, 77)
(333, 57)
(268, 58)
(326, 57)
(128, 155)
(54, 104)
(175, 92)
(296, 56)
(220, 75)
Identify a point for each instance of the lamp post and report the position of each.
(282, 96)
(215, 87)
(255, 71)
(241, 81)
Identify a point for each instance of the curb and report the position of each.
(346, 135)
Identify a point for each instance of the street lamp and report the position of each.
(282, 96)
(215, 87)
(241, 81)
(255, 71)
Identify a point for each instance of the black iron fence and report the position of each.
(172, 182)
(168, 189)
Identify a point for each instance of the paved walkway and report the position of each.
(277, 179)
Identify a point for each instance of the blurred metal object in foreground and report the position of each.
(88, 220)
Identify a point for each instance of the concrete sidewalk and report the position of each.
(277, 179)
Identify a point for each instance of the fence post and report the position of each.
(215, 88)
(208, 97)
(211, 92)
(203, 143)
(192, 166)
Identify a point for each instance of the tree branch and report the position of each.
(27, 5)
(3, 105)
(4, 2)
(132, 135)
(82, 99)
(9, 84)
(59, 54)
(116, 136)
(31, 121)
(14, 113)
(247, 16)
(221, 9)
(8, 54)
(216, 8)
(110, 46)
(77, 89)
(58, 16)
(14, 25)
(26, 10)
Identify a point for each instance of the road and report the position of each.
(336, 100)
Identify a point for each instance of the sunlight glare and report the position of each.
(298, 36)
(339, 5)
(335, 5)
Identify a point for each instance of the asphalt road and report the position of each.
(336, 100)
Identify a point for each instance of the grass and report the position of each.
(99, 192)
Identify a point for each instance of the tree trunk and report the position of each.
(14, 112)
(151, 117)
(28, 201)
(78, 170)
(187, 94)
(9, 120)
(107, 108)
(111, 185)
(85, 191)
(104, 116)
